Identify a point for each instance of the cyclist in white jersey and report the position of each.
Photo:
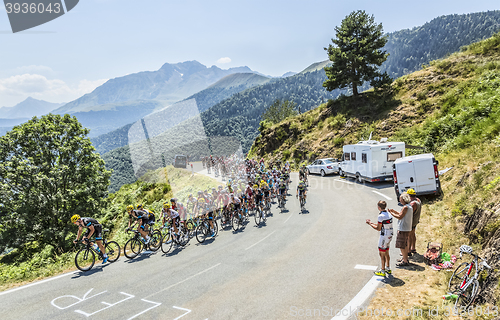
(384, 225)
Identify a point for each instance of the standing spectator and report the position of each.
(405, 217)
(416, 204)
(384, 225)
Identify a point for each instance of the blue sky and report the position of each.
(102, 39)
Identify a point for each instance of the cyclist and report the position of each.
(236, 204)
(179, 207)
(93, 228)
(190, 204)
(282, 189)
(258, 194)
(302, 172)
(265, 188)
(302, 190)
(170, 214)
(143, 217)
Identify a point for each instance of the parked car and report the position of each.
(324, 166)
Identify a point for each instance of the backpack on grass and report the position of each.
(433, 253)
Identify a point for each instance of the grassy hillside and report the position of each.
(451, 108)
(155, 187)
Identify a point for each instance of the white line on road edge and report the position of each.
(35, 283)
(381, 194)
(288, 218)
(364, 267)
(256, 243)
(189, 278)
(350, 309)
(344, 181)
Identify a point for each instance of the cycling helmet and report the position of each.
(411, 192)
(465, 249)
(75, 218)
(201, 201)
(190, 195)
(213, 189)
(255, 186)
(166, 205)
(139, 206)
(130, 207)
(173, 200)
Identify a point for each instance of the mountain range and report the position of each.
(27, 109)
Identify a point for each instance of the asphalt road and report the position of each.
(295, 263)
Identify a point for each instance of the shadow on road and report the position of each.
(98, 268)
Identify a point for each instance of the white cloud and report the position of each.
(224, 60)
(17, 88)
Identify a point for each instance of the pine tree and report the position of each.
(356, 53)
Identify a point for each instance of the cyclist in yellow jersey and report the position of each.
(302, 189)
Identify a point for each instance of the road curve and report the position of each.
(295, 264)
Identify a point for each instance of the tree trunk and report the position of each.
(354, 89)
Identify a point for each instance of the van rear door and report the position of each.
(405, 172)
(426, 181)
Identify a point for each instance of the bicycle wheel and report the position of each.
(182, 238)
(235, 221)
(85, 259)
(202, 232)
(265, 213)
(468, 296)
(215, 229)
(155, 241)
(166, 243)
(132, 248)
(457, 277)
(191, 227)
(257, 216)
(113, 251)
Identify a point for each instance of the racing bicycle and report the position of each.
(85, 257)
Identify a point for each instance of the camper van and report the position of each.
(371, 160)
(418, 172)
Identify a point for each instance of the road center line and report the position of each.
(35, 283)
(189, 278)
(350, 309)
(256, 243)
(364, 267)
(381, 194)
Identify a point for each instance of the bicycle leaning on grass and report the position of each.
(463, 283)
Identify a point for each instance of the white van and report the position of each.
(370, 160)
(418, 172)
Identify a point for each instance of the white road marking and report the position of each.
(344, 181)
(34, 284)
(381, 194)
(107, 304)
(75, 297)
(364, 267)
(288, 219)
(189, 278)
(188, 311)
(256, 243)
(156, 304)
(350, 309)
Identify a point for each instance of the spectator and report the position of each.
(416, 204)
(384, 225)
(405, 217)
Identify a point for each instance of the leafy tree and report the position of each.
(278, 111)
(48, 172)
(356, 53)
